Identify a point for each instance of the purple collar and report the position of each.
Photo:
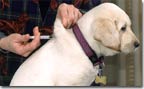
(85, 46)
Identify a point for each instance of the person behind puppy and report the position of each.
(21, 18)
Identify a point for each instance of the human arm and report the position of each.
(19, 44)
(68, 14)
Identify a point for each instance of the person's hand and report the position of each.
(68, 14)
(18, 44)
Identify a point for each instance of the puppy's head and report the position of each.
(112, 28)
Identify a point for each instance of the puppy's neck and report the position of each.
(85, 25)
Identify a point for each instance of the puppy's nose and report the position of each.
(136, 44)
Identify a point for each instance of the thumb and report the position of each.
(25, 38)
(18, 37)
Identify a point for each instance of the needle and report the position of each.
(41, 37)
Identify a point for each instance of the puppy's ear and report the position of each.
(106, 32)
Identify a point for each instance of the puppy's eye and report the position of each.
(123, 28)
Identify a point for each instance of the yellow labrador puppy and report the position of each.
(62, 61)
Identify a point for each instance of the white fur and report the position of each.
(62, 62)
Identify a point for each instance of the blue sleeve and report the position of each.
(89, 5)
(95, 2)
(2, 35)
